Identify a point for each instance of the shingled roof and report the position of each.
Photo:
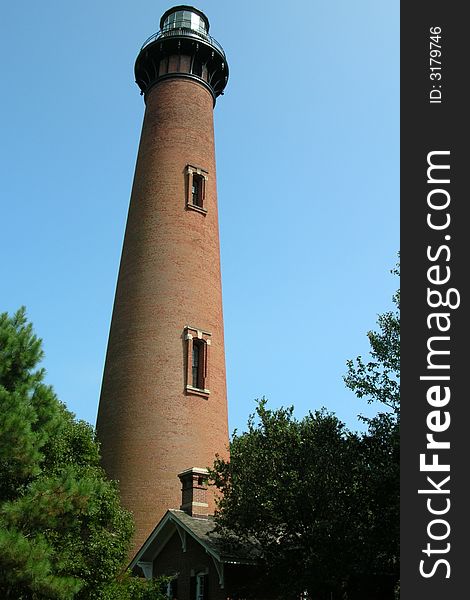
(229, 549)
(224, 550)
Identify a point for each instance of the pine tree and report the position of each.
(63, 533)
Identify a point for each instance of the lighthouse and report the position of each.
(163, 404)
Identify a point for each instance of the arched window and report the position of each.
(196, 361)
(196, 189)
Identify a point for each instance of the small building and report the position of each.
(186, 547)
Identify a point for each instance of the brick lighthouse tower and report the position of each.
(163, 406)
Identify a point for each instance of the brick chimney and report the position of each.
(194, 492)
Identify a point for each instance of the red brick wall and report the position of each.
(169, 277)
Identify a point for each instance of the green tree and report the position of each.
(321, 503)
(378, 380)
(63, 533)
(291, 485)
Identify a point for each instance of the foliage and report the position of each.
(129, 587)
(301, 489)
(378, 379)
(63, 533)
(321, 503)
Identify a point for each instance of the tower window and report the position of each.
(197, 362)
(196, 189)
(197, 344)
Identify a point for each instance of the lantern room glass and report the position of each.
(184, 19)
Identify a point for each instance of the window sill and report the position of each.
(197, 392)
(198, 209)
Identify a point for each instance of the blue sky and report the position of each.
(307, 143)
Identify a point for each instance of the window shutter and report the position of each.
(206, 587)
(192, 588)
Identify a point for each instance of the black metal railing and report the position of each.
(183, 32)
